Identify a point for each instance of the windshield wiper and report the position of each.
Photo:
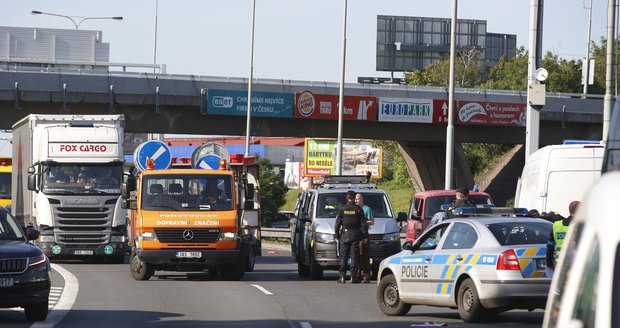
(59, 192)
(161, 206)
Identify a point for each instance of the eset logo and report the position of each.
(305, 103)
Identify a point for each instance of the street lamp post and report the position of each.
(251, 76)
(79, 19)
(450, 128)
(343, 55)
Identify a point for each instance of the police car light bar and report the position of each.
(490, 210)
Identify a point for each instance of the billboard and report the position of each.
(358, 157)
(481, 113)
(294, 176)
(323, 106)
(410, 110)
(233, 102)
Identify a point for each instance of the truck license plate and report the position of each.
(188, 254)
(83, 252)
(6, 282)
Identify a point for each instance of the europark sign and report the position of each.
(309, 105)
(358, 157)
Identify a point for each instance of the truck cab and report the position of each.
(193, 220)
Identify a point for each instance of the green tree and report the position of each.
(394, 167)
(272, 191)
(508, 74)
(467, 74)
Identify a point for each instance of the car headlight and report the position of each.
(147, 236)
(46, 239)
(36, 260)
(117, 239)
(324, 238)
(391, 236)
(227, 236)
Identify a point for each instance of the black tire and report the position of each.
(251, 260)
(302, 269)
(316, 271)
(388, 297)
(139, 270)
(468, 302)
(233, 273)
(37, 312)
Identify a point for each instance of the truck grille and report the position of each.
(84, 224)
(13, 265)
(181, 235)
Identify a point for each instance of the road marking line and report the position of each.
(305, 325)
(66, 301)
(266, 292)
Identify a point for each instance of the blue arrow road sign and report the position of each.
(209, 162)
(155, 150)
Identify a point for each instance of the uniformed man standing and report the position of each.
(556, 238)
(351, 227)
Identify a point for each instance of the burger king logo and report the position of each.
(305, 103)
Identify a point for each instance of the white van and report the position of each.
(585, 291)
(556, 175)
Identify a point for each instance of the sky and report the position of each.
(294, 39)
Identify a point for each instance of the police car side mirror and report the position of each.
(402, 217)
(408, 246)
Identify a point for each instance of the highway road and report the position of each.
(271, 296)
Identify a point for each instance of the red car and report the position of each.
(426, 203)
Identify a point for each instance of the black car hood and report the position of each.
(17, 249)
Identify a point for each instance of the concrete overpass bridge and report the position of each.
(166, 103)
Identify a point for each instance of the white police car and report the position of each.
(480, 261)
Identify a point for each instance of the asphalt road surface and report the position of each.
(271, 296)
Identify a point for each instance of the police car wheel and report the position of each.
(470, 308)
(388, 297)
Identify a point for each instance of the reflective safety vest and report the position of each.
(559, 233)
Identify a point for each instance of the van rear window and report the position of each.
(521, 233)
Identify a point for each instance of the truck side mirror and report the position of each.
(303, 217)
(249, 192)
(124, 192)
(402, 217)
(32, 182)
(415, 215)
(248, 205)
(130, 184)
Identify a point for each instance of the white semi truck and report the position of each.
(67, 175)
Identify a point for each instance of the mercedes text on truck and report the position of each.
(67, 172)
(203, 219)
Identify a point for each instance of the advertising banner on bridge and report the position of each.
(411, 110)
(233, 102)
(323, 106)
(481, 113)
(358, 157)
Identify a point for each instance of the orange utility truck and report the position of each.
(206, 218)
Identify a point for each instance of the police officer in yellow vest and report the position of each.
(351, 227)
(558, 233)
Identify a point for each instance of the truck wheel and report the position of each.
(38, 311)
(233, 273)
(316, 271)
(139, 270)
(389, 298)
(251, 260)
(468, 302)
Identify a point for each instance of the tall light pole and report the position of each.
(249, 114)
(343, 53)
(450, 129)
(609, 99)
(78, 19)
(586, 65)
(532, 122)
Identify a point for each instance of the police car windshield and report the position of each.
(521, 233)
(329, 204)
(433, 204)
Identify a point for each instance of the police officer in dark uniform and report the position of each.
(351, 227)
(462, 199)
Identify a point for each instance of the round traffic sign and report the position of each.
(155, 150)
(209, 162)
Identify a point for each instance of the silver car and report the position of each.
(478, 263)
